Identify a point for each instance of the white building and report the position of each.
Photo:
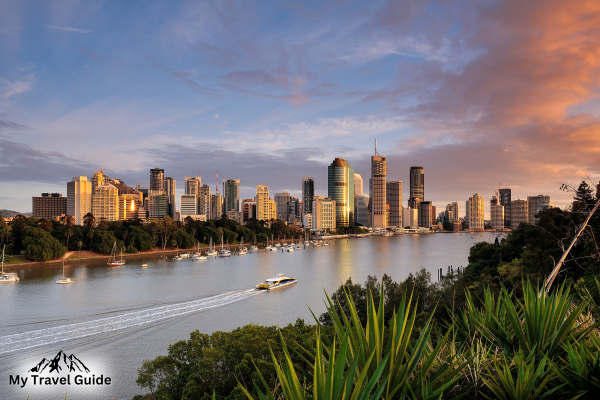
(476, 212)
(79, 198)
(188, 204)
(323, 214)
(410, 218)
(358, 184)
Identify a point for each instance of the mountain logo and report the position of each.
(60, 361)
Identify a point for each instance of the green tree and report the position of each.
(89, 221)
(4, 231)
(17, 228)
(40, 245)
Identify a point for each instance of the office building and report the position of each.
(193, 185)
(324, 215)
(282, 200)
(131, 205)
(158, 204)
(236, 216)
(519, 213)
(231, 195)
(535, 204)
(169, 188)
(358, 184)
(308, 194)
(467, 210)
(425, 214)
(497, 216)
(105, 202)
(362, 209)
(157, 177)
(188, 205)
(79, 198)
(216, 206)
(204, 201)
(377, 191)
(266, 209)
(248, 210)
(393, 193)
(340, 183)
(49, 205)
(433, 215)
(307, 221)
(505, 200)
(476, 212)
(410, 218)
(98, 179)
(417, 187)
(451, 213)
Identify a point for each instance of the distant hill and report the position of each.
(10, 213)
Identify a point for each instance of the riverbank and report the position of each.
(86, 255)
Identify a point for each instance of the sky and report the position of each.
(481, 94)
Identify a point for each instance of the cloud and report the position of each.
(9, 89)
(93, 55)
(67, 29)
(9, 125)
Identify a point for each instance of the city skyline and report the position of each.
(79, 89)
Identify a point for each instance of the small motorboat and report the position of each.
(144, 265)
(276, 282)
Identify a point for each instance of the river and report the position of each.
(112, 319)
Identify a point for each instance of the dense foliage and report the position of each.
(40, 245)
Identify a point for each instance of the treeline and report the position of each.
(40, 239)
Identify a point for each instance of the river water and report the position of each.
(112, 319)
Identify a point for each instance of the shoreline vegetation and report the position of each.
(488, 332)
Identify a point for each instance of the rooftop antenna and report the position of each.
(376, 153)
(217, 181)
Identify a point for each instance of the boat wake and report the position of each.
(42, 337)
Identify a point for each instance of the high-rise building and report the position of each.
(188, 205)
(417, 186)
(193, 185)
(358, 184)
(49, 205)
(535, 204)
(158, 204)
(519, 213)
(425, 214)
(410, 218)
(433, 215)
(204, 201)
(157, 176)
(362, 209)
(505, 200)
(248, 209)
(393, 193)
(293, 210)
(216, 206)
(263, 212)
(282, 200)
(467, 210)
(105, 203)
(131, 206)
(308, 194)
(340, 183)
(377, 191)
(497, 214)
(476, 212)
(324, 214)
(79, 198)
(451, 214)
(231, 195)
(169, 187)
(98, 179)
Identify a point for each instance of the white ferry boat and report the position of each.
(276, 282)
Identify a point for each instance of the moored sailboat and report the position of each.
(112, 261)
(8, 276)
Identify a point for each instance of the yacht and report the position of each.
(242, 251)
(277, 244)
(177, 258)
(276, 282)
(113, 262)
(211, 251)
(299, 247)
(185, 255)
(8, 276)
(224, 252)
(64, 280)
(289, 249)
(253, 247)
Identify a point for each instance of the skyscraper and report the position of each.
(417, 186)
(282, 200)
(231, 195)
(535, 204)
(324, 214)
(308, 194)
(169, 188)
(358, 184)
(377, 190)
(266, 209)
(520, 213)
(204, 201)
(79, 198)
(216, 206)
(451, 213)
(476, 212)
(505, 200)
(426, 214)
(497, 214)
(393, 193)
(106, 203)
(193, 185)
(340, 183)
(157, 177)
(188, 204)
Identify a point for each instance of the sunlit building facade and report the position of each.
(216, 206)
(193, 185)
(377, 191)
(535, 204)
(519, 213)
(340, 183)
(204, 201)
(497, 215)
(79, 198)
(476, 212)
(49, 205)
(106, 203)
(324, 215)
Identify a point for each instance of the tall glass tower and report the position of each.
(340, 182)
(308, 194)
(417, 186)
